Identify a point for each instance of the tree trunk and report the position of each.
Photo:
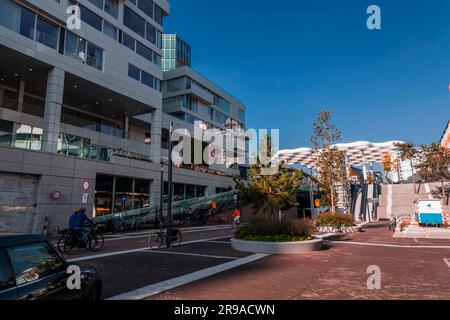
(279, 215)
(444, 200)
(413, 175)
(332, 200)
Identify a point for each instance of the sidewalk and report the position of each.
(338, 272)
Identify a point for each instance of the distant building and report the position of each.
(176, 52)
(445, 139)
(402, 170)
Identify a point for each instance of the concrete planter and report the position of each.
(292, 247)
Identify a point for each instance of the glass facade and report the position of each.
(84, 51)
(114, 194)
(183, 191)
(176, 52)
(20, 135)
(144, 77)
(84, 120)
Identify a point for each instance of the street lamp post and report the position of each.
(170, 190)
(161, 198)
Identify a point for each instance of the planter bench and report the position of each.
(292, 247)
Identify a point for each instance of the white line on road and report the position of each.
(386, 245)
(159, 287)
(447, 262)
(116, 253)
(191, 254)
(213, 241)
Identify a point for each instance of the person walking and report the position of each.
(236, 217)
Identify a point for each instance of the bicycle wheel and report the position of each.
(176, 238)
(70, 246)
(61, 242)
(95, 242)
(155, 240)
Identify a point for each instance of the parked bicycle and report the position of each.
(393, 225)
(72, 240)
(158, 239)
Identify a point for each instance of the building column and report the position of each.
(155, 192)
(52, 112)
(20, 96)
(126, 127)
(155, 135)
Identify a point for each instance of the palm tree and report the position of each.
(270, 193)
(408, 152)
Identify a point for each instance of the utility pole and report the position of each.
(161, 198)
(170, 190)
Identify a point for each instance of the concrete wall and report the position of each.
(67, 174)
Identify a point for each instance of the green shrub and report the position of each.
(336, 220)
(275, 231)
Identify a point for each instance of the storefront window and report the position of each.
(123, 196)
(6, 132)
(103, 195)
(141, 194)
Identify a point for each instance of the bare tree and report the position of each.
(329, 161)
(434, 164)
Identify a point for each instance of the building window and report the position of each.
(134, 22)
(147, 79)
(110, 30)
(222, 103)
(128, 41)
(242, 115)
(112, 8)
(46, 33)
(144, 51)
(91, 18)
(151, 33)
(146, 6)
(75, 46)
(94, 56)
(97, 3)
(158, 15)
(134, 72)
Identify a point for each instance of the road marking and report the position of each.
(148, 234)
(141, 235)
(191, 254)
(447, 262)
(159, 287)
(386, 245)
(213, 241)
(116, 253)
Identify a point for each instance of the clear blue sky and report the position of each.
(288, 59)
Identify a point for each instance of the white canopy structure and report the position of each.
(357, 153)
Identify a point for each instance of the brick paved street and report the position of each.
(200, 268)
(336, 273)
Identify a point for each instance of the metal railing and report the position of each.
(189, 212)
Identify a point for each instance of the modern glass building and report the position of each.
(70, 106)
(176, 52)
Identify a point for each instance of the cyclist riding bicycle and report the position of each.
(77, 223)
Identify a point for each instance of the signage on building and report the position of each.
(85, 185)
(56, 195)
(85, 198)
